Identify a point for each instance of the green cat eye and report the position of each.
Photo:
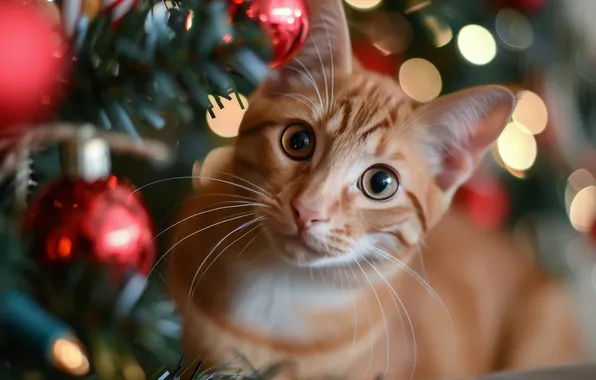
(298, 141)
(379, 183)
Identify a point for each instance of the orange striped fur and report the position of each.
(288, 260)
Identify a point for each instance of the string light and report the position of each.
(577, 181)
(69, 357)
(227, 120)
(582, 211)
(531, 113)
(517, 149)
(476, 44)
(514, 29)
(420, 79)
(442, 33)
(363, 4)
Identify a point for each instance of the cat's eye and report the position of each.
(379, 183)
(298, 141)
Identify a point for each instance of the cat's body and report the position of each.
(332, 215)
(505, 313)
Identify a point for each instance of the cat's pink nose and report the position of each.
(306, 217)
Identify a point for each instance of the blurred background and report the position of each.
(538, 182)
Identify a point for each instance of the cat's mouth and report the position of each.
(299, 249)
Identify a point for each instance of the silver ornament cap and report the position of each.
(87, 156)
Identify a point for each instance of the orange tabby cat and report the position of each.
(322, 237)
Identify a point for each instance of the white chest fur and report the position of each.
(277, 301)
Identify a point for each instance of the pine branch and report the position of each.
(130, 77)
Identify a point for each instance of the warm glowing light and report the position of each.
(133, 372)
(363, 4)
(514, 29)
(517, 149)
(476, 44)
(64, 248)
(582, 211)
(578, 180)
(442, 33)
(227, 120)
(123, 238)
(531, 112)
(69, 357)
(420, 79)
(414, 6)
(189, 20)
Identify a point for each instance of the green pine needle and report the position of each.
(130, 79)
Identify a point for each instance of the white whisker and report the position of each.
(232, 243)
(355, 318)
(309, 78)
(194, 280)
(248, 182)
(247, 204)
(396, 298)
(301, 98)
(191, 235)
(199, 177)
(382, 314)
(416, 276)
(330, 59)
(324, 72)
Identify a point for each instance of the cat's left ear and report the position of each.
(456, 130)
(327, 46)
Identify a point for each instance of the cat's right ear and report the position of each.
(326, 48)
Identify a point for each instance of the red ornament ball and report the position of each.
(286, 22)
(592, 232)
(31, 62)
(486, 201)
(525, 6)
(102, 221)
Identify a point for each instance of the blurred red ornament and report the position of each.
(31, 63)
(592, 232)
(373, 59)
(486, 202)
(101, 221)
(286, 22)
(525, 6)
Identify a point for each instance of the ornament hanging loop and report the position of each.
(87, 156)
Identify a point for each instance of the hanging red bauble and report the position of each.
(486, 201)
(373, 59)
(525, 6)
(286, 22)
(101, 221)
(592, 232)
(31, 63)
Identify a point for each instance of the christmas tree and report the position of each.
(113, 100)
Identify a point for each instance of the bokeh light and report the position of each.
(514, 29)
(69, 357)
(531, 112)
(420, 79)
(583, 209)
(390, 32)
(227, 120)
(476, 44)
(416, 5)
(517, 148)
(442, 32)
(363, 4)
(578, 180)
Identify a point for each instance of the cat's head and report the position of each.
(351, 164)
